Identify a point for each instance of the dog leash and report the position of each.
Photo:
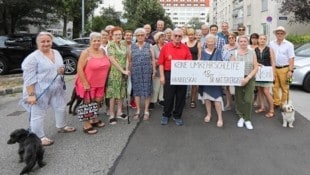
(39, 96)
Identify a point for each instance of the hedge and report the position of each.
(298, 39)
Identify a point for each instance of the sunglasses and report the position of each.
(180, 36)
(241, 29)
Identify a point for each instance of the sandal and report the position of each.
(66, 129)
(90, 130)
(193, 104)
(259, 110)
(136, 116)
(207, 119)
(146, 116)
(112, 121)
(270, 114)
(98, 124)
(122, 116)
(219, 123)
(46, 141)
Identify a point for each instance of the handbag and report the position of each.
(87, 111)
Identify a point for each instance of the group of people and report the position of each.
(119, 64)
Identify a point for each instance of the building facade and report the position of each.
(182, 12)
(259, 16)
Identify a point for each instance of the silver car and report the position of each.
(301, 75)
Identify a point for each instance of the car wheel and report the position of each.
(70, 65)
(306, 83)
(3, 67)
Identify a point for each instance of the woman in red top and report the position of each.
(93, 67)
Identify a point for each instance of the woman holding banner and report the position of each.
(210, 94)
(245, 93)
(265, 57)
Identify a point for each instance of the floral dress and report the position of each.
(116, 85)
(141, 70)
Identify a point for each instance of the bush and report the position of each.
(298, 39)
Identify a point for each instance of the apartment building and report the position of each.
(182, 11)
(260, 16)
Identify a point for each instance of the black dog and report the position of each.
(30, 148)
(74, 97)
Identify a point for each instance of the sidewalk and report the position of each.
(10, 84)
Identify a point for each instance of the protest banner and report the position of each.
(264, 73)
(185, 72)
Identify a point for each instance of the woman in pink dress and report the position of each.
(92, 72)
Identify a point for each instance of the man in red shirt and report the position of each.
(174, 95)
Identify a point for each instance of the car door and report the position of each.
(17, 48)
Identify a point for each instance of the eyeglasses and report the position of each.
(180, 36)
(140, 35)
(241, 29)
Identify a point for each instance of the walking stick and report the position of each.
(126, 96)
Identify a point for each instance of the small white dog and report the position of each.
(288, 114)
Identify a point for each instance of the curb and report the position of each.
(11, 90)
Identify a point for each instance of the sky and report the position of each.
(116, 4)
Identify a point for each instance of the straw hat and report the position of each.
(279, 28)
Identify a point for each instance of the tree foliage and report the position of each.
(195, 23)
(140, 12)
(109, 17)
(299, 9)
(16, 14)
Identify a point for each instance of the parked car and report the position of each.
(83, 40)
(301, 75)
(14, 48)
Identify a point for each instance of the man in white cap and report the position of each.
(284, 58)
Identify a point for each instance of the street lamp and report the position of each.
(82, 18)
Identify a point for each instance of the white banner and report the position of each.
(264, 73)
(206, 72)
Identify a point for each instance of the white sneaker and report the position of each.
(240, 123)
(248, 125)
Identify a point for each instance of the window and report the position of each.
(249, 29)
(264, 5)
(249, 10)
(264, 26)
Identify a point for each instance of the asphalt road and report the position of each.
(147, 148)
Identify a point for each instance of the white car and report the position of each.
(301, 75)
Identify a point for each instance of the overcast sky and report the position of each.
(116, 4)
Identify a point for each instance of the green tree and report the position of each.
(195, 23)
(298, 8)
(16, 14)
(109, 17)
(143, 12)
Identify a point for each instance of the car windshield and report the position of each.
(303, 50)
(2, 40)
(62, 41)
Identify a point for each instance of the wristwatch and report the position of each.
(31, 94)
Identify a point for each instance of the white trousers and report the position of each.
(158, 91)
(38, 114)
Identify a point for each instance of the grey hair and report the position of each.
(211, 36)
(94, 35)
(177, 30)
(44, 33)
(168, 30)
(140, 30)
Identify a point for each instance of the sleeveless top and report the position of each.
(264, 56)
(248, 60)
(194, 51)
(96, 71)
